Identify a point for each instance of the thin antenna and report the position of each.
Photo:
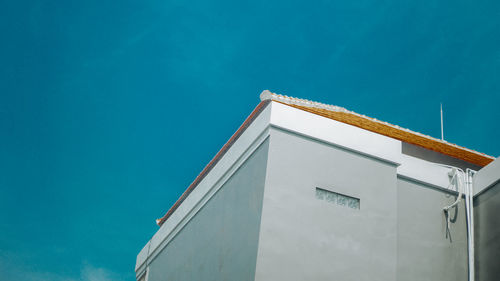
(442, 130)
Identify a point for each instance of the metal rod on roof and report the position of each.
(442, 130)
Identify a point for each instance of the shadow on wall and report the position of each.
(450, 217)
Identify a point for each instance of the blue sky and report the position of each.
(109, 109)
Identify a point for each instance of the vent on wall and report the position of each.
(337, 198)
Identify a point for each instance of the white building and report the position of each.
(308, 191)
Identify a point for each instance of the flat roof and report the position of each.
(345, 116)
(393, 131)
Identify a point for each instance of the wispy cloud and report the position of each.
(22, 272)
(90, 273)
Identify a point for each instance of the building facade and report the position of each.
(307, 191)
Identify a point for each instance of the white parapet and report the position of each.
(340, 134)
(487, 177)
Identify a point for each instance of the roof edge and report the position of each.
(258, 109)
(371, 124)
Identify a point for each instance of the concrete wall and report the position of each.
(425, 250)
(487, 234)
(303, 238)
(436, 157)
(397, 234)
(220, 241)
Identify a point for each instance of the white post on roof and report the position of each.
(442, 131)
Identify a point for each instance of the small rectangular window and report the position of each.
(337, 198)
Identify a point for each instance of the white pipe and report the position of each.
(467, 209)
(470, 211)
(469, 196)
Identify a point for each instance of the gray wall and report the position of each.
(397, 234)
(433, 156)
(220, 242)
(487, 234)
(266, 222)
(304, 238)
(425, 250)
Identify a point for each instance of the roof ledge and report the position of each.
(371, 124)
